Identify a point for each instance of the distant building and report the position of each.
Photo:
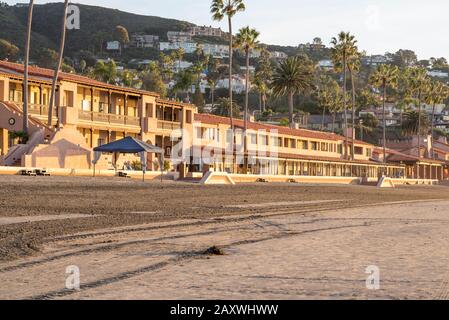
(278, 55)
(143, 41)
(179, 36)
(189, 47)
(438, 74)
(326, 64)
(205, 31)
(216, 50)
(375, 60)
(113, 46)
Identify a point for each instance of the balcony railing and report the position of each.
(109, 118)
(37, 109)
(168, 125)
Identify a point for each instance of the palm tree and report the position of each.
(436, 93)
(344, 47)
(25, 68)
(58, 65)
(354, 65)
(413, 122)
(263, 76)
(419, 82)
(247, 41)
(326, 95)
(386, 76)
(229, 8)
(293, 75)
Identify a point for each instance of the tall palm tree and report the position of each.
(386, 76)
(343, 48)
(419, 82)
(354, 65)
(293, 75)
(247, 41)
(436, 93)
(25, 69)
(229, 8)
(58, 65)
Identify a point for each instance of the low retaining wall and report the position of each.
(242, 178)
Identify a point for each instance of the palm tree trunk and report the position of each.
(322, 119)
(25, 69)
(58, 67)
(345, 107)
(432, 129)
(247, 84)
(353, 115)
(212, 94)
(231, 113)
(384, 123)
(290, 110)
(419, 124)
(334, 115)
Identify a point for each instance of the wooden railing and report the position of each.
(168, 125)
(109, 118)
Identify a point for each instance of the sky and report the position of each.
(380, 26)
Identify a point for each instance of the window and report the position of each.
(189, 116)
(275, 142)
(263, 140)
(358, 150)
(253, 138)
(229, 136)
(324, 146)
(368, 152)
(199, 133)
(314, 145)
(304, 144)
(340, 149)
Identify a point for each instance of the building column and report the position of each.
(3, 141)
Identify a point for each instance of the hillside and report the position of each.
(97, 25)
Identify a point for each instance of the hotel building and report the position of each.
(90, 113)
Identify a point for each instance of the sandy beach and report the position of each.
(147, 241)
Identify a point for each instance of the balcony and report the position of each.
(109, 118)
(168, 125)
(37, 109)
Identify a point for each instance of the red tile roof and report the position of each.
(34, 72)
(302, 133)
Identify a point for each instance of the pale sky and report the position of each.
(379, 26)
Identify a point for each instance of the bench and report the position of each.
(122, 174)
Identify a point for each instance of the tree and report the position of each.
(436, 93)
(326, 95)
(415, 124)
(130, 79)
(58, 65)
(219, 10)
(344, 47)
(214, 73)
(183, 82)
(8, 51)
(222, 108)
(83, 65)
(403, 58)
(122, 36)
(263, 77)
(384, 77)
(419, 82)
(292, 76)
(25, 69)
(247, 40)
(152, 80)
(106, 72)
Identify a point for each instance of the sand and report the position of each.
(305, 242)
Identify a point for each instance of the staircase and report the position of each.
(39, 133)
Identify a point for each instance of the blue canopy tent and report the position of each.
(130, 145)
